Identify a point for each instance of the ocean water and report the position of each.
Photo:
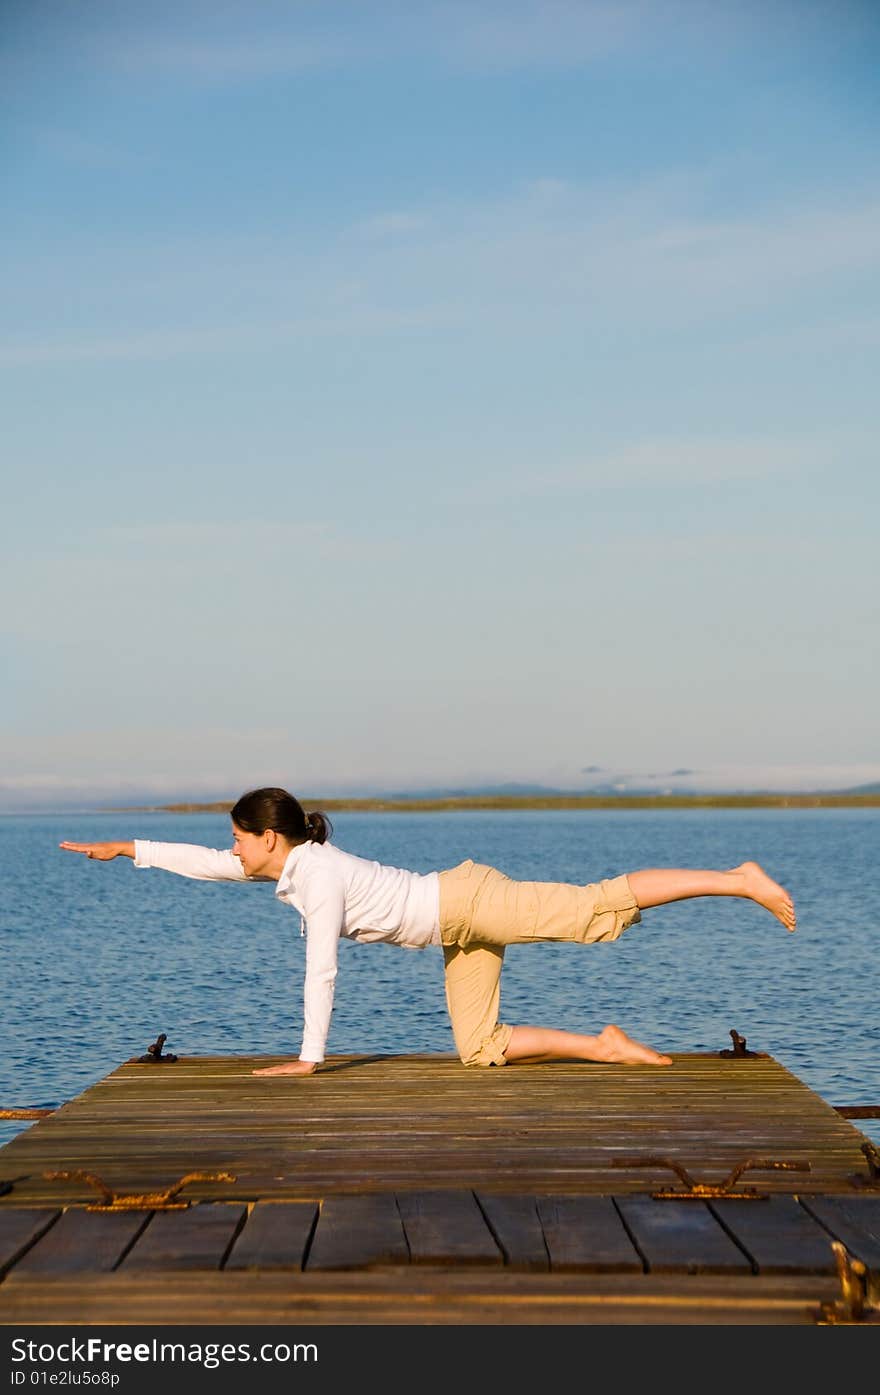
(96, 959)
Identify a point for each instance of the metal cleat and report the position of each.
(872, 1157)
(859, 1292)
(138, 1201)
(739, 1046)
(154, 1053)
(712, 1191)
(871, 1182)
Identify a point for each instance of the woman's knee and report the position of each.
(482, 1051)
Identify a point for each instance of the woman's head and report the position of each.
(278, 811)
(266, 824)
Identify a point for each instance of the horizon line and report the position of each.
(369, 803)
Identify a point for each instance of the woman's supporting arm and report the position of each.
(324, 908)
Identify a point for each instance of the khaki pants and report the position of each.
(482, 911)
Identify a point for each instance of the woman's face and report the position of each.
(251, 850)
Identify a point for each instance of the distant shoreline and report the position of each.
(538, 802)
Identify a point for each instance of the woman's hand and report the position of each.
(102, 852)
(289, 1068)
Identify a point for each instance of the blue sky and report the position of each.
(407, 395)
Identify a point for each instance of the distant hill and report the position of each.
(615, 789)
(531, 795)
(425, 803)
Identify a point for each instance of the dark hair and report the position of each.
(276, 809)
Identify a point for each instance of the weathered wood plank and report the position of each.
(357, 1232)
(416, 1295)
(447, 1227)
(83, 1241)
(515, 1223)
(681, 1236)
(586, 1232)
(778, 1234)
(425, 1123)
(197, 1238)
(20, 1228)
(275, 1236)
(854, 1220)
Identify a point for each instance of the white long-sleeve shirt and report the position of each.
(337, 894)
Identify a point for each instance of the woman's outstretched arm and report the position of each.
(186, 859)
(104, 852)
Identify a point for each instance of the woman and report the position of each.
(472, 911)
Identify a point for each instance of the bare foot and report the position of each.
(616, 1046)
(768, 893)
(287, 1068)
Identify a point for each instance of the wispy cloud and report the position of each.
(187, 582)
(636, 258)
(683, 461)
(644, 251)
(519, 33)
(735, 777)
(251, 43)
(193, 546)
(172, 342)
(392, 223)
(551, 256)
(207, 535)
(826, 336)
(238, 58)
(577, 33)
(83, 152)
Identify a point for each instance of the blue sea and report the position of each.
(96, 959)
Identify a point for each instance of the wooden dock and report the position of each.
(408, 1190)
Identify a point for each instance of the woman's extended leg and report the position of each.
(612, 1044)
(656, 886)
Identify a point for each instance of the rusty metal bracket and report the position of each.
(138, 1201)
(859, 1292)
(872, 1158)
(154, 1053)
(708, 1191)
(25, 1113)
(739, 1046)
